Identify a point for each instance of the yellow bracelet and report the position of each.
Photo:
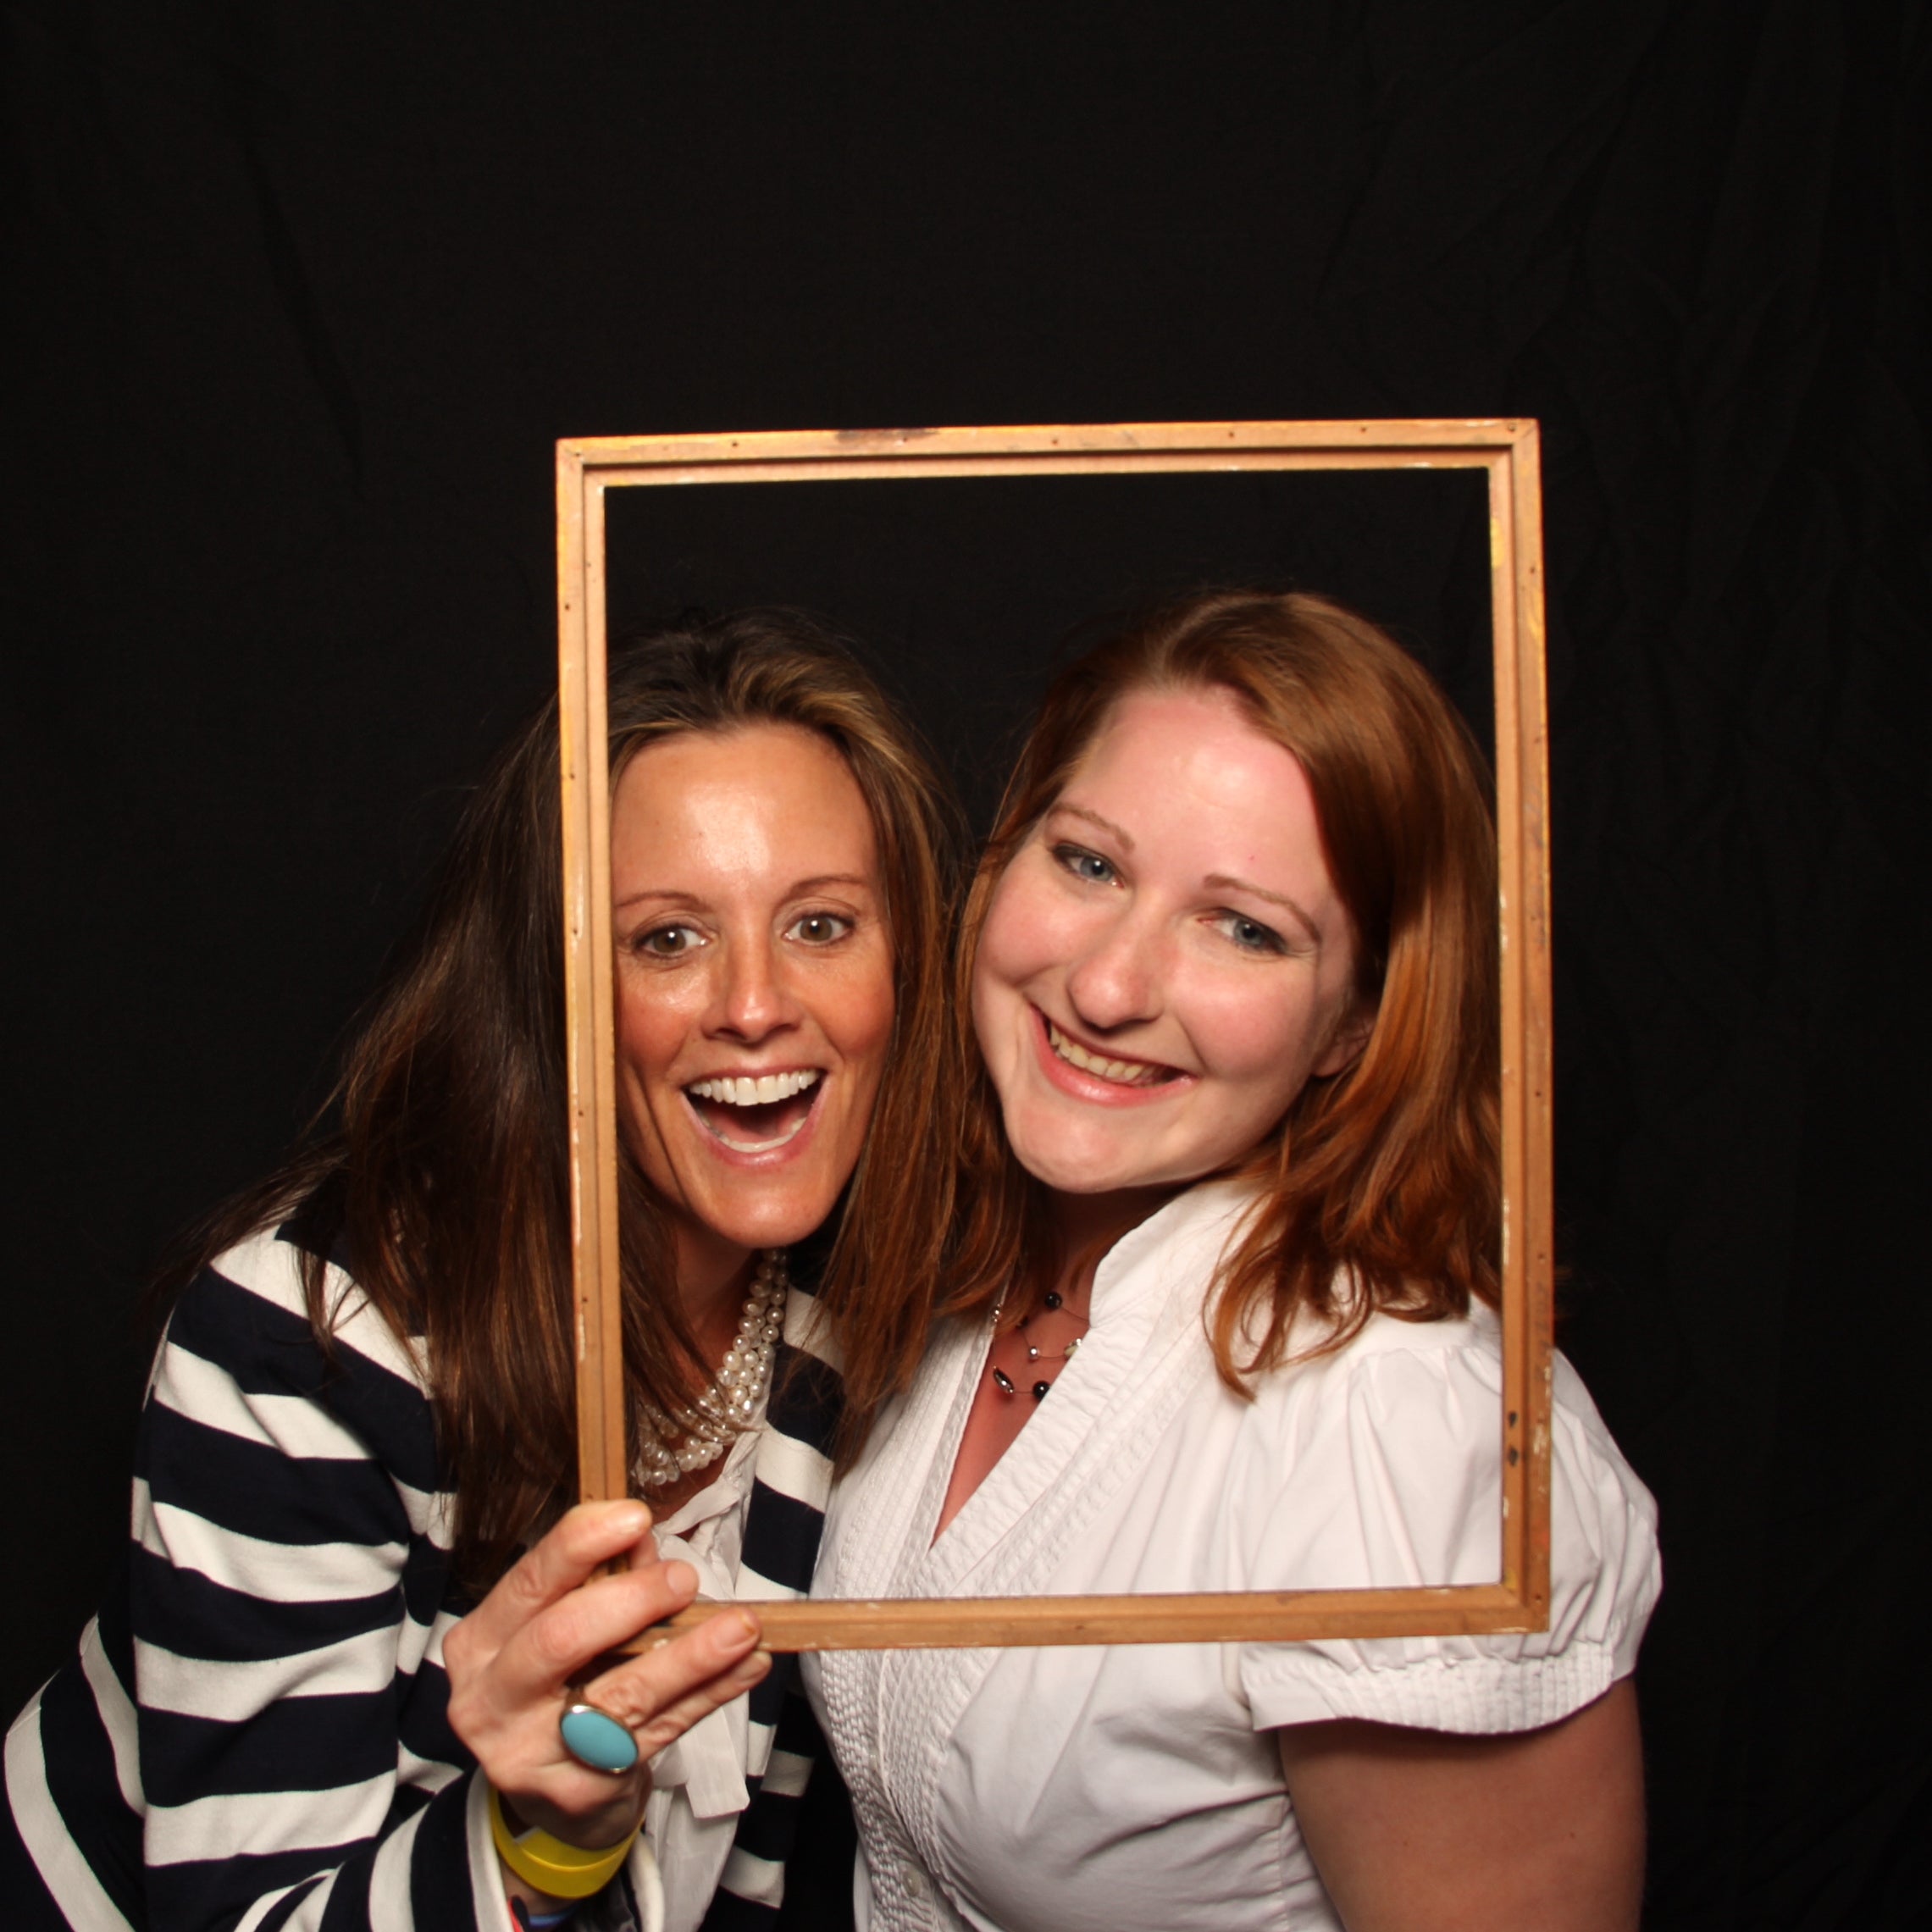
(564, 1871)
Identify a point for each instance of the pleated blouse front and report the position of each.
(1023, 1791)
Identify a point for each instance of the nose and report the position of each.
(753, 1000)
(1117, 981)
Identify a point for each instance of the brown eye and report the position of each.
(819, 928)
(667, 942)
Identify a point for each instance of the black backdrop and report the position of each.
(300, 296)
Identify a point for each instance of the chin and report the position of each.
(1075, 1174)
(781, 1227)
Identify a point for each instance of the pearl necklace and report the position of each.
(730, 1405)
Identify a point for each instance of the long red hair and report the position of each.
(1381, 1185)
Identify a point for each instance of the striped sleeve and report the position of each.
(253, 1734)
(269, 1716)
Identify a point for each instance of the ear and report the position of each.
(1351, 1036)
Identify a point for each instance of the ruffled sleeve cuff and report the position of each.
(1469, 1694)
(1380, 1467)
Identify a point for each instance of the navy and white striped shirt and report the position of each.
(253, 1734)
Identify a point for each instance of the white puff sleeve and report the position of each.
(1381, 1466)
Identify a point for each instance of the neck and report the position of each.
(713, 1278)
(1088, 1225)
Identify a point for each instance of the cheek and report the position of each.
(859, 1020)
(1254, 1039)
(653, 1028)
(1029, 930)
(1002, 963)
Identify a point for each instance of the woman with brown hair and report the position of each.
(356, 1672)
(1223, 1319)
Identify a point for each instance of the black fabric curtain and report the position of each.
(301, 295)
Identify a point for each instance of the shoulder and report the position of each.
(1421, 1380)
(1401, 1424)
(1421, 1401)
(255, 1294)
(1379, 1462)
(1379, 1465)
(240, 1354)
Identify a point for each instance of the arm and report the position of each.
(276, 1664)
(1426, 1831)
(285, 1568)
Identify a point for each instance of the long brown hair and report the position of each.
(1381, 1185)
(442, 1166)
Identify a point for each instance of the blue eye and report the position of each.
(1085, 865)
(1251, 935)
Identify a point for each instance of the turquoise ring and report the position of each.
(595, 1738)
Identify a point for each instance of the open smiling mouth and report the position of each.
(1120, 1072)
(755, 1115)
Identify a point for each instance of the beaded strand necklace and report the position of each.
(1004, 1382)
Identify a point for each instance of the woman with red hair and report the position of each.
(1224, 1307)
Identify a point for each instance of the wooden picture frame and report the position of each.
(587, 469)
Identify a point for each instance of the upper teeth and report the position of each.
(1127, 1072)
(744, 1091)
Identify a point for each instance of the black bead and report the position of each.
(1003, 1381)
(1040, 1391)
(1052, 1298)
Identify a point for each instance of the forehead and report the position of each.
(782, 782)
(1197, 791)
(1197, 742)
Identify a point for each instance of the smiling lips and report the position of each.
(1118, 1072)
(755, 1114)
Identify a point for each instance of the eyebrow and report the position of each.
(1119, 832)
(1225, 882)
(800, 888)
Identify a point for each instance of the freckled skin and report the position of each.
(751, 938)
(1173, 910)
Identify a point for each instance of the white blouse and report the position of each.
(1059, 1790)
(697, 1784)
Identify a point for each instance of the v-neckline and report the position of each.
(1122, 1309)
(885, 1542)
